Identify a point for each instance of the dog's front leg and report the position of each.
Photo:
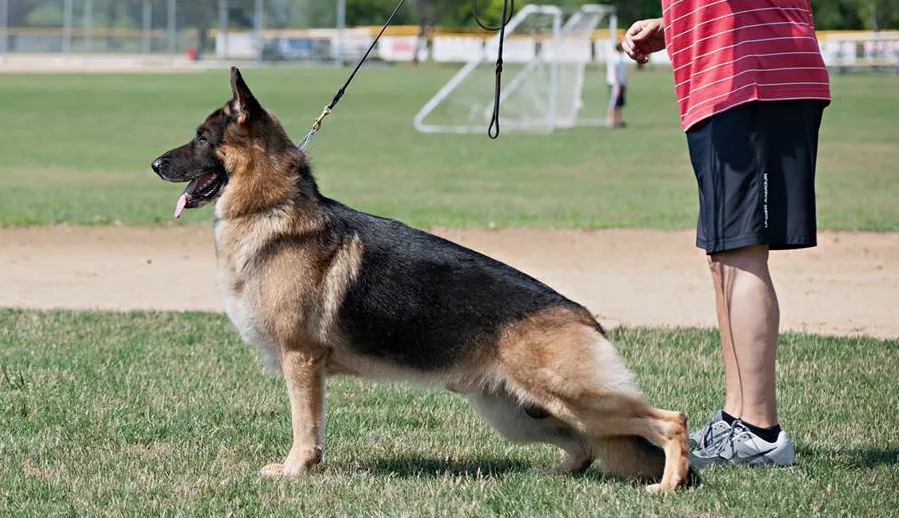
(305, 378)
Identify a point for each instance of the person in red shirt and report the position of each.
(751, 87)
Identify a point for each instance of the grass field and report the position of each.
(77, 149)
(149, 413)
(167, 414)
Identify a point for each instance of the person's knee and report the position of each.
(750, 259)
(745, 258)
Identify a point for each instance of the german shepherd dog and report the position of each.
(323, 289)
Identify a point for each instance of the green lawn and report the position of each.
(162, 413)
(166, 413)
(77, 148)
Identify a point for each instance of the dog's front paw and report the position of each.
(272, 470)
(298, 462)
(660, 488)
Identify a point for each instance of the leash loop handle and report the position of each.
(505, 18)
(492, 130)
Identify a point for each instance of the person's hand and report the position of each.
(643, 38)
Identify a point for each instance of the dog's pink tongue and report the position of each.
(179, 207)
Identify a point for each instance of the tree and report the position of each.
(375, 12)
(429, 14)
(629, 11)
(203, 16)
(834, 14)
(19, 11)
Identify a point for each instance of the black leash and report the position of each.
(318, 122)
(493, 130)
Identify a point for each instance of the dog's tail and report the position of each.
(634, 458)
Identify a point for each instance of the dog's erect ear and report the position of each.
(243, 101)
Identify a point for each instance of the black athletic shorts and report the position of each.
(755, 168)
(617, 101)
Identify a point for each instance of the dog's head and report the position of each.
(208, 160)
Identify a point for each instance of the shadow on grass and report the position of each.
(420, 466)
(856, 458)
(416, 466)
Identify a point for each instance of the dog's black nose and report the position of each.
(156, 165)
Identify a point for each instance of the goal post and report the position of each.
(579, 86)
(547, 55)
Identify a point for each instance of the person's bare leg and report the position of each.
(733, 402)
(748, 321)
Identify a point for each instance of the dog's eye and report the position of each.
(200, 139)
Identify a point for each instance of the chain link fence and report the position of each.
(187, 30)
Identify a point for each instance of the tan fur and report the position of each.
(573, 356)
(343, 270)
(510, 418)
(630, 458)
(549, 377)
(305, 379)
(556, 361)
(257, 188)
(285, 300)
(553, 359)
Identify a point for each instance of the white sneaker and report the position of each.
(745, 447)
(715, 431)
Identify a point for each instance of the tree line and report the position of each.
(829, 14)
(204, 15)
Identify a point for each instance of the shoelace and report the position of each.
(725, 443)
(707, 432)
(736, 429)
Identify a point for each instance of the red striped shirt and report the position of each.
(729, 52)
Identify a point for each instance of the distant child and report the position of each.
(616, 76)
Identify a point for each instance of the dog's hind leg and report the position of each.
(574, 372)
(528, 423)
(634, 458)
(631, 458)
(655, 449)
(618, 424)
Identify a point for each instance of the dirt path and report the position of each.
(848, 285)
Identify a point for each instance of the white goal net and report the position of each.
(549, 76)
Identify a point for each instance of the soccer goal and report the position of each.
(551, 78)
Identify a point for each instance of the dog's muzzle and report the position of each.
(157, 166)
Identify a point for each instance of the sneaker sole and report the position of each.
(760, 461)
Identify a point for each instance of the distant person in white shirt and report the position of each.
(616, 76)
